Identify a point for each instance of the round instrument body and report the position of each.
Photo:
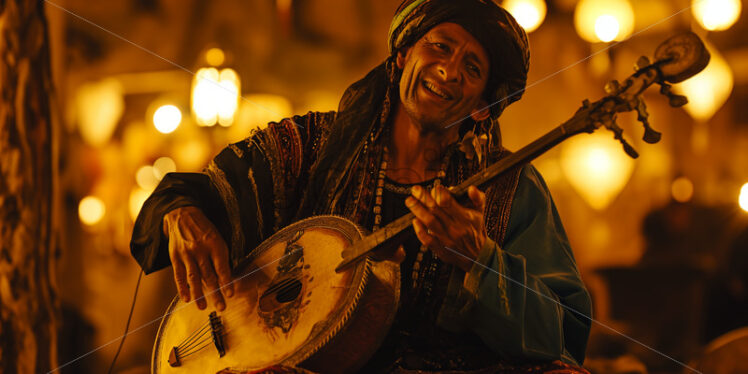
(685, 54)
(289, 307)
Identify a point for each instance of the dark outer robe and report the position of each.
(507, 308)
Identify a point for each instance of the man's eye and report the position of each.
(441, 46)
(474, 69)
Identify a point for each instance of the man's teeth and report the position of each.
(435, 90)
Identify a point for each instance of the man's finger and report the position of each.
(194, 280)
(180, 279)
(208, 273)
(221, 263)
(423, 214)
(478, 198)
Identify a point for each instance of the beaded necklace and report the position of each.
(415, 275)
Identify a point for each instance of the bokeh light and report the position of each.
(162, 166)
(91, 210)
(708, 90)
(604, 20)
(215, 96)
(528, 13)
(167, 118)
(743, 199)
(682, 190)
(146, 177)
(715, 15)
(138, 196)
(215, 57)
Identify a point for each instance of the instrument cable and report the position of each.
(127, 325)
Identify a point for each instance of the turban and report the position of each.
(494, 28)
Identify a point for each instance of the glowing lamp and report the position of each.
(596, 167)
(708, 90)
(99, 106)
(528, 13)
(682, 189)
(604, 20)
(167, 118)
(215, 57)
(743, 199)
(215, 96)
(91, 210)
(716, 15)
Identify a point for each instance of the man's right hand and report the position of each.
(199, 257)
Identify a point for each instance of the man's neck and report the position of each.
(416, 155)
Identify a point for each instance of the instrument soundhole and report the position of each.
(289, 292)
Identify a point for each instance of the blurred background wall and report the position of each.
(661, 241)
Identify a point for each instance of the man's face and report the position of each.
(444, 75)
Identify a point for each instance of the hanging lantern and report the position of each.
(99, 107)
(596, 167)
(708, 90)
(215, 96)
(528, 13)
(715, 15)
(604, 20)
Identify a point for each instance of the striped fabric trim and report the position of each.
(218, 179)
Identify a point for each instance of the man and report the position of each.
(488, 286)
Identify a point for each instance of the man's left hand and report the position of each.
(446, 227)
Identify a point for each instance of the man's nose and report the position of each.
(449, 70)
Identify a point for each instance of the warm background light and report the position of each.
(604, 20)
(529, 13)
(716, 15)
(162, 166)
(167, 118)
(91, 210)
(708, 90)
(215, 96)
(596, 167)
(146, 177)
(682, 190)
(743, 199)
(215, 57)
(99, 107)
(606, 28)
(138, 196)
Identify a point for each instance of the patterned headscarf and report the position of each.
(495, 29)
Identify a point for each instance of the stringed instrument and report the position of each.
(309, 296)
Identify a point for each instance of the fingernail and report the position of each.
(220, 306)
(416, 191)
(409, 202)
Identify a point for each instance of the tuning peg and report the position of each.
(651, 136)
(612, 87)
(611, 125)
(675, 100)
(641, 63)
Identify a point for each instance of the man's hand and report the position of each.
(445, 226)
(199, 257)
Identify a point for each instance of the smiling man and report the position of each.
(488, 286)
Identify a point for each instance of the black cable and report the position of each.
(127, 325)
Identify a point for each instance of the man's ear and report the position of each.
(481, 112)
(400, 59)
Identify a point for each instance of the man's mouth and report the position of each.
(430, 87)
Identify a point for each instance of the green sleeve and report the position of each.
(525, 300)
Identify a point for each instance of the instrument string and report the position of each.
(193, 339)
(205, 342)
